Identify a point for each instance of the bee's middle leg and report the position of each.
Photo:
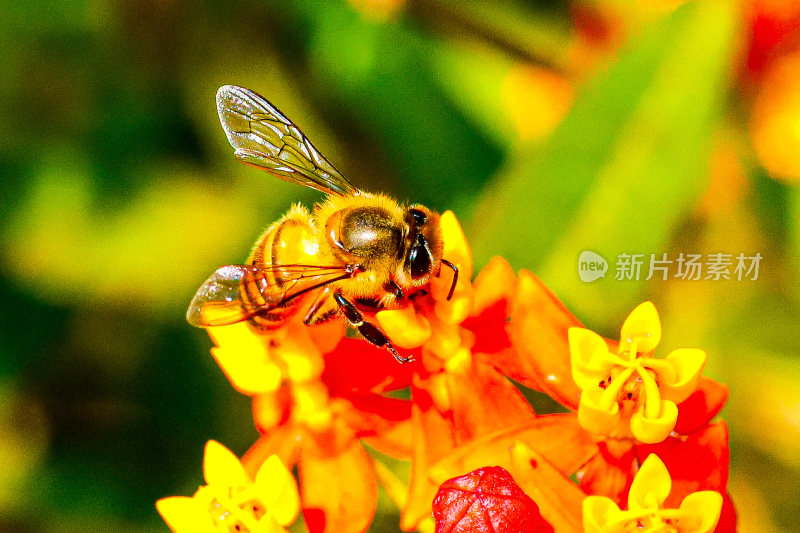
(322, 308)
(368, 330)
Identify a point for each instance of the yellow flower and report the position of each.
(698, 513)
(629, 392)
(232, 501)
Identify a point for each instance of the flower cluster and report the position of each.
(637, 448)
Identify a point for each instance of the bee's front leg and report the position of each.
(368, 330)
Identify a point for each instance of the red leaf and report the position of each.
(485, 500)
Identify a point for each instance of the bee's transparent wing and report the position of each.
(219, 300)
(264, 138)
(238, 292)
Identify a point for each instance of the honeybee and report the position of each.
(355, 252)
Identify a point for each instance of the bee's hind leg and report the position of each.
(368, 330)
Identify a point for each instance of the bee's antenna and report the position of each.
(455, 277)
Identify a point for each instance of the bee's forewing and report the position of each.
(263, 137)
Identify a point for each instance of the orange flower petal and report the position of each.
(483, 401)
(337, 483)
(283, 441)
(557, 437)
(433, 440)
(610, 472)
(538, 330)
(301, 357)
(495, 283)
(559, 499)
(271, 409)
(384, 423)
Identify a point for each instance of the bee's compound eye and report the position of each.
(420, 261)
(419, 217)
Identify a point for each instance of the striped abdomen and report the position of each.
(289, 242)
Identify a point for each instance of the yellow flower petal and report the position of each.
(589, 357)
(185, 515)
(599, 513)
(456, 250)
(650, 486)
(405, 327)
(278, 490)
(222, 468)
(687, 366)
(456, 309)
(301, 356)
(655, 430)
(459, 362)
(237, 336)
(267, 524)
(593, 417)
(700, 512)
(642, 327)
(249, 371)
(445, 340)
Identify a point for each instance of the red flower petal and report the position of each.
(485, 500)
(702, 406)
(698, 462)
(494, 288)
(356, 365)
(727, 519)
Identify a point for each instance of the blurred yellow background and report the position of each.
(550, 128)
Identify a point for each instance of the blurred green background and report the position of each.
(550, 127)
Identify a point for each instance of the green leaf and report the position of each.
(623, 168)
